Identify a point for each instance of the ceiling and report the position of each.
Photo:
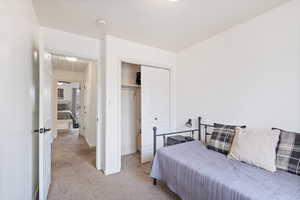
(60, 63)
(159, 23)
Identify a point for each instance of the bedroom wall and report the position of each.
(18, 143)
(71, 44)
(249, 74)
(115, 50)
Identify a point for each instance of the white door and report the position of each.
(99, 139)
(155, 105)
(45, 120)
(85, 125)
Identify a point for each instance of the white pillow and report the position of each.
(256, 147)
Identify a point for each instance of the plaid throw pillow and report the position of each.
(288, 154)
(221, 138)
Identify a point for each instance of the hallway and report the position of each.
(74, 176)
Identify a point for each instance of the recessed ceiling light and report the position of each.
(174, 0)
(71, 59)
(101, 21)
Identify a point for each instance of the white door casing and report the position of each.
(155, 107)
(45, 120)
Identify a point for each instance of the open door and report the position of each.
(45, 120)
(155, 107)
(99, 139)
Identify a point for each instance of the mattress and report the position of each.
(64, 115)
(196, 173)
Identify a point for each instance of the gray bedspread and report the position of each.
(196, 173)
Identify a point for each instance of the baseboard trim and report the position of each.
(90, 145)
(111, 171)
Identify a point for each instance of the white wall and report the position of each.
(249, 74)
(64, 43)
(116, 50)
(69, 75)
(18, 144)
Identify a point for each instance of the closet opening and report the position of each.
(130, 114)
(145, 103)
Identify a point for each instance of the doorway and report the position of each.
(68, 107)
(74, 97)
(73, 50)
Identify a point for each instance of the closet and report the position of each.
(131, 110)
(145, 103)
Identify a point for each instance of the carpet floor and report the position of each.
(74, 176)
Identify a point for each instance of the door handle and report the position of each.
(42, 130)
(47, 130)
(36, 131)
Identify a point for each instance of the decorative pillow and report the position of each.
(221, 138)
(288, 154)
(256, 147)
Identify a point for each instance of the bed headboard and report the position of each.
(201, 126)
(206, 126)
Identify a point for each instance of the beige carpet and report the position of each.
(74, 176)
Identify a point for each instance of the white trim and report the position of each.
(87, 141)
(64, 53)
(145, 63)
(81, 80)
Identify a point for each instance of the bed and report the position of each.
(196, 173)
(64, 120)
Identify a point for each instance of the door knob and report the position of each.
(47, 130)
(42, 130)
(36, 131)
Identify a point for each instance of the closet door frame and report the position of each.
(171, 70)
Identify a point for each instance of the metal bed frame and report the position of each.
(192, 133)
(282, 130)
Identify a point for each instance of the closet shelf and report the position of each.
(130, 85)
